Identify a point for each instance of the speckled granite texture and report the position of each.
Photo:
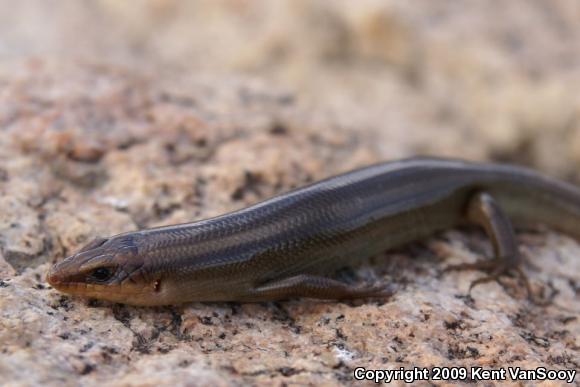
(174, 128)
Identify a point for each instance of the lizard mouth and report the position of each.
(115, 292)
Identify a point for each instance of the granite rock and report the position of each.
(131, 137)
(163, 163)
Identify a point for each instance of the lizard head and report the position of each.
(107, 269)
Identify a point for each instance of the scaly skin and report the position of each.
(285, 246)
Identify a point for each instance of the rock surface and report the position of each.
(90, 148)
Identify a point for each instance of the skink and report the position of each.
(286, 246)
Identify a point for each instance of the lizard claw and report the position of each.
(374, 290)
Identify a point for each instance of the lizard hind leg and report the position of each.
(484, 211)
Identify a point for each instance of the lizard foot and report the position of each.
(496, 269)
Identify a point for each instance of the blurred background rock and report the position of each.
(479, 79)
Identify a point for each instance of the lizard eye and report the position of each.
(101, 274)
